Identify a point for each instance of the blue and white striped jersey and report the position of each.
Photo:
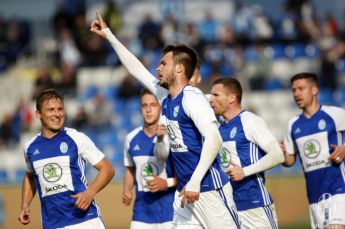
(311, 139)
(185, 115)
(58, 166)
(244, 138)
(139, 153)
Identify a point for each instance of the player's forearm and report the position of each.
(289, 159)
(105, 173)
(131, 63)
(28, 190)
(274, 156)
(128, 180)
(210, 149)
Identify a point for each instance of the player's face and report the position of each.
(165, 70)
(52, 115)
(220, 99)
(304, 93)
(150, 109)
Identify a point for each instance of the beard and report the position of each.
(170, 80)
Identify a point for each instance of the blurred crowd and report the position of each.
(225, 48)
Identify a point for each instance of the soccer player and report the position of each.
(55, 167)
(250, 147)
(203, 196)
(317, 136)
(152, 176)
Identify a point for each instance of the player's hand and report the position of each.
(188, 196)
(127, 198)
(84, 199)
(98, 24)
(161, 131)
(157, 184)
(338, 154)
(236, 172)
(24, 215)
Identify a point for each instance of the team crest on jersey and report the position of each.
(225, 157)
(52, 172)
(63, 147)
(322, 124)
(148, 170)
(233, 132)
(176, 109)
(311, 149)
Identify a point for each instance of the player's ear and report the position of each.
(179, 68)
(38, 114)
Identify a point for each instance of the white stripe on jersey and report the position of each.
(264, 192)
(216, 178)
(81, 164)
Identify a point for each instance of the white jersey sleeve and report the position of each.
(135, 67)
(28, 165)
(197, 107)
(127, 158)
(289, 144)
(86, 148)
(338, 116)
(256, 130)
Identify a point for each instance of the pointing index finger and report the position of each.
(99, 16)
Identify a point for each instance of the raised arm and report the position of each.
(131, 63)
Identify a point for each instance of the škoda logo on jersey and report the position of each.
(311, 149)
(52, 172)
(148, 170)
(225, 158)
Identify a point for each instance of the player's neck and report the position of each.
(48, 133)
(311, 109)
(232, 112)
(176, 88)
(150, 130)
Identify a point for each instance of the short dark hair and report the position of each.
(145, 91)
(184, 55)
(311, 77)
(232, 85)
(47, 95)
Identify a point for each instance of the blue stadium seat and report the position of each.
(3, 177)
(294, 51)
(326, 97)
(340, 65)
(273, 84)
(276, 51)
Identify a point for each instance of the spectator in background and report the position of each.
(99, 113)
(81, 120)
(129, 88)
(149, 33)
(68, 50)
(7, 135)
(43, 81)
(67, 83)
(112, 16)
(208, 28)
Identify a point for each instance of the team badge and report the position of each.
(176, 109)
(148, 170)
(326, 207)
(322, 124)
(63, 147)
(52, 172)
(233, 132)
(311, 149)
